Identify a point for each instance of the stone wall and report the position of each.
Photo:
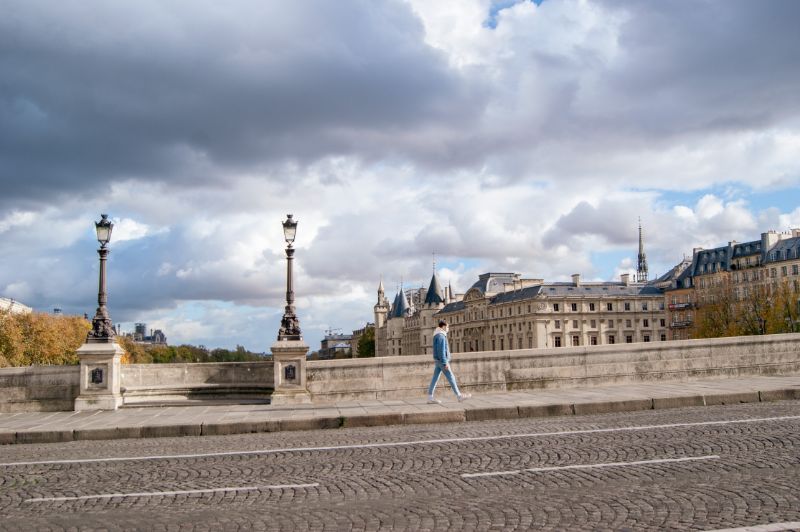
(143, 383)
(525, 369)
(39, 388)
(55, 387)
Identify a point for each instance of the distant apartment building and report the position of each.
(14, 307)
(740, 268)
(335, 345)
(140, 335)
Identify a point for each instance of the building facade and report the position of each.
(735, 270)
(503, 311)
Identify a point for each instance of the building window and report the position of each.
(557, 341)
(773, 272)
(646, 323)
(663, 322)
(593, 340)
(574, 307)
(555, 307)
(529, 309)
(644, 305)
(530, 343)
(558, 324)
(794, 269)
(611, 339)
(493, 346)
(593, 324)
(627, 306)
(519, 343)
(609, 306)
(628, 324)
(576, 340)
(629, 339)
(591, 307)
(610, 324)
(646, 337)
(574, 324)
(501, 344)
(784, 271)
(663, 337)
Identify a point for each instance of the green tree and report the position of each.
(366, 343)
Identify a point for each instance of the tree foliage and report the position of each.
(757, 309)
(366, 343)
(165, 354)
(40, 339)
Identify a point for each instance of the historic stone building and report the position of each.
(740, 267)
(503, 311)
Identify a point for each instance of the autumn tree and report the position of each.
(727, 310)
(39, 338)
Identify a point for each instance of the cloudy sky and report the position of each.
(500, 135)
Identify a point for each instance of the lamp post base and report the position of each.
(289, 358)
(100, 377)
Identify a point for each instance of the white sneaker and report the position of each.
(433, 401)
(464, 396)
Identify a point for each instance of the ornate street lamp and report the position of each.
(102, 328)
(290, 325)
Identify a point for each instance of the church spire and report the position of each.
(641, 272)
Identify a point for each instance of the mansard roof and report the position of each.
(788, 248)
(494, 282)
(434, 295)
(452, 307)
(566, 289)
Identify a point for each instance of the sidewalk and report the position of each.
(201, 419)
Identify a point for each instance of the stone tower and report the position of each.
(381, 307)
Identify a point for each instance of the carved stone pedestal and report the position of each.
(100, 377)
(289, 357)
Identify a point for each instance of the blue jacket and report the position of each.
(441, 350)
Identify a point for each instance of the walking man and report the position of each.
(441, 357)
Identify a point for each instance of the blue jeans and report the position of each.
(447, 373)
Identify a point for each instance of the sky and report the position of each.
(498, 135)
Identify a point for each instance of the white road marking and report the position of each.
(403, 443)
(592, 466)
(771, 527)
(178, 492)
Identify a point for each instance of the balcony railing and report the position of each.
(680, 306)
(680, 324)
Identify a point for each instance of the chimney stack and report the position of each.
(576, 279)
(626, 278)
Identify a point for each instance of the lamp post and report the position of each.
(102, 328)
(289, 352)
(100, 356)
(290, 325)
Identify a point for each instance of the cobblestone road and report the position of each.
(706, 468)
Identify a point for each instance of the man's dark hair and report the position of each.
(442, 323)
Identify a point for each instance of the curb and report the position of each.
(444, 415)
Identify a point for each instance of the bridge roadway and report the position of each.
(694, 468)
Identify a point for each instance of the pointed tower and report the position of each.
(435, 294)
(641, 272)
(381, 307)
(400, 309)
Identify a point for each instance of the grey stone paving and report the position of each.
(409, 477)
(231, 419)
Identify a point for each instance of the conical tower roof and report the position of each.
(401, 305)
(434, 295)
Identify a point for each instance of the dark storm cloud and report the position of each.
(703, 66)
(92, 92)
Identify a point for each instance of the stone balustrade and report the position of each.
(55, 388)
